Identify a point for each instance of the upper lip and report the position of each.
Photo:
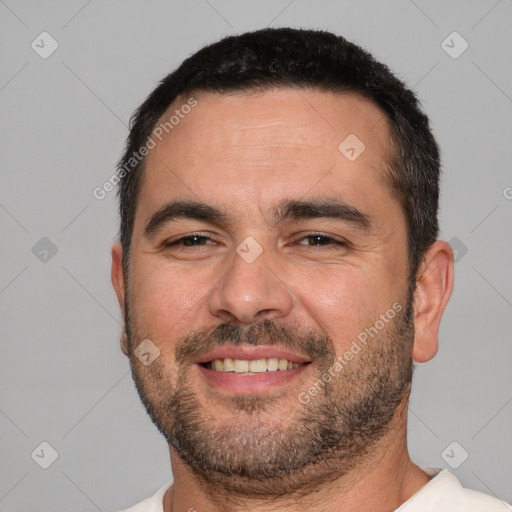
(250, 352)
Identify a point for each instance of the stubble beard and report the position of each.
(274, 446)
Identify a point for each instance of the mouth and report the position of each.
(251, 369)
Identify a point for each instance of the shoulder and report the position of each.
(475, 500)
(444, 493)
(152, 504)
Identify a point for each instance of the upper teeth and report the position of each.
(254, 366)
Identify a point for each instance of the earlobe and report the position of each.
(434, 286)
(123, 342)
(118, 282)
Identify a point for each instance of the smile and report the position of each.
(251, 367)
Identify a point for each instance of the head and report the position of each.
(285, 204)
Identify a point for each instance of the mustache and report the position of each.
(265, 332)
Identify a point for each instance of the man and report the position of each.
(279, 273)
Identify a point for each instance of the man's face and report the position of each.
(275, 246)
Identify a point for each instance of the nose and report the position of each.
(248, 292)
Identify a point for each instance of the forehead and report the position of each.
(261, 144)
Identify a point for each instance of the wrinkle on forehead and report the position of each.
(276, 119)
(250, 150)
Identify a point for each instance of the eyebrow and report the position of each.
(289, 210)
(321, 208)
(184, 210)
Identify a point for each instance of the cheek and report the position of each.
(341, 303)
(162, 300)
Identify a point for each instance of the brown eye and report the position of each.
(193, 240)
(317, 240)
(189, 241)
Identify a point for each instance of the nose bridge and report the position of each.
(250, 288)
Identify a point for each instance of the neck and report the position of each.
(384, 480)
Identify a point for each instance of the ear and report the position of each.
(118, 282)
(117, 273)
(434, 286)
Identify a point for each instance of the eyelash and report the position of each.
(176, 243)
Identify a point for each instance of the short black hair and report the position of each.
(309, 59)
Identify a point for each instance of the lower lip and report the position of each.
(258, 383)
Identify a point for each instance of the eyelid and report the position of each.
(334, 240)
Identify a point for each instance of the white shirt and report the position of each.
(442, 494)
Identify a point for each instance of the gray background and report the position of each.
(63, 377)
